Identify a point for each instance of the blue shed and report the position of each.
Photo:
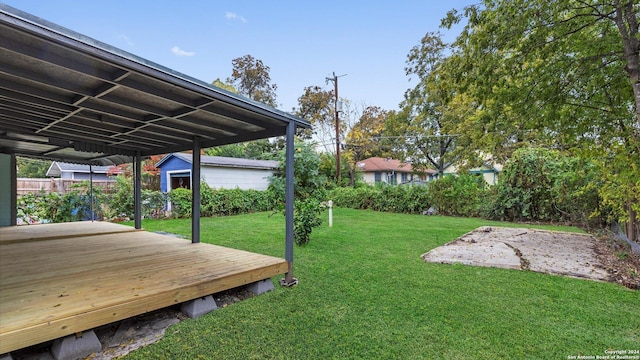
(216, 171)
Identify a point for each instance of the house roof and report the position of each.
(67, 97)
(374, 164)
(221, 161)
(57, 168)
(383, 164)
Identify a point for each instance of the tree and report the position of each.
(327, 168)
(420, 132)
(258, 149)
(251, 78)
(317, 106)
(365, 138)
(223, 85)
(150, 175)
(32, 168)
(262, 149)
(561, 74)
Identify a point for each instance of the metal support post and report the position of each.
(289, 280)
(195, 191)
(137, 190)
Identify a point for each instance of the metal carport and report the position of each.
(67, 97)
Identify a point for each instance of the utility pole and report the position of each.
(334, 79)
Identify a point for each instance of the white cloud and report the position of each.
(176, 50)
(233, 16)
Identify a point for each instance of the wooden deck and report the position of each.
(53, 285)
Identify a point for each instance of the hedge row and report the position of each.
(451, 195)
(219, 202)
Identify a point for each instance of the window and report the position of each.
(392, 178)
(403, 177)
(180, 180)
(377, 176)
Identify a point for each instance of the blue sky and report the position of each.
(302, 42)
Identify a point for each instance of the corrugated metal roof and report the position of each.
(67, 97)
(82, 168)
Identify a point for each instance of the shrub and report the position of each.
(309, 190)
(121, 203)
(75, 205)
(305, 217)
(386, 198)
(181, 202)
(458, 195)
(544, 185)
(153, 203)
(29, 207)
(526, 186)
(221, 202)
(576, 192)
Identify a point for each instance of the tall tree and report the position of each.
(419, 129)
(251, 78)
(317, 106)
(365, 137)
(257, 149)
(562, 74)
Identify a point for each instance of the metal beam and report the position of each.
(36, 91)
(67, 62)
(33, 101)
(231, 140)
(161, 93)
(36, 77)
(235, 116)
(195, 192)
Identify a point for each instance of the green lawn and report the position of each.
(365, 293)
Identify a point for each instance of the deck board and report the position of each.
(58, 286)
(28, 233)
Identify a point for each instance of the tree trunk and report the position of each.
(633, 226)
(627, 22)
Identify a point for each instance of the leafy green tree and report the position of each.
(223, 85)
(561, 74)
(32, 168)
(262, 149)
(364, 139)
(327, 169)
(251, 78)
(419, 134)
(309, 190)
(317, 106)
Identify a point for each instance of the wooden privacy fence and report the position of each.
(34, 186)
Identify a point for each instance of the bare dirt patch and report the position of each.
(552, 252)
